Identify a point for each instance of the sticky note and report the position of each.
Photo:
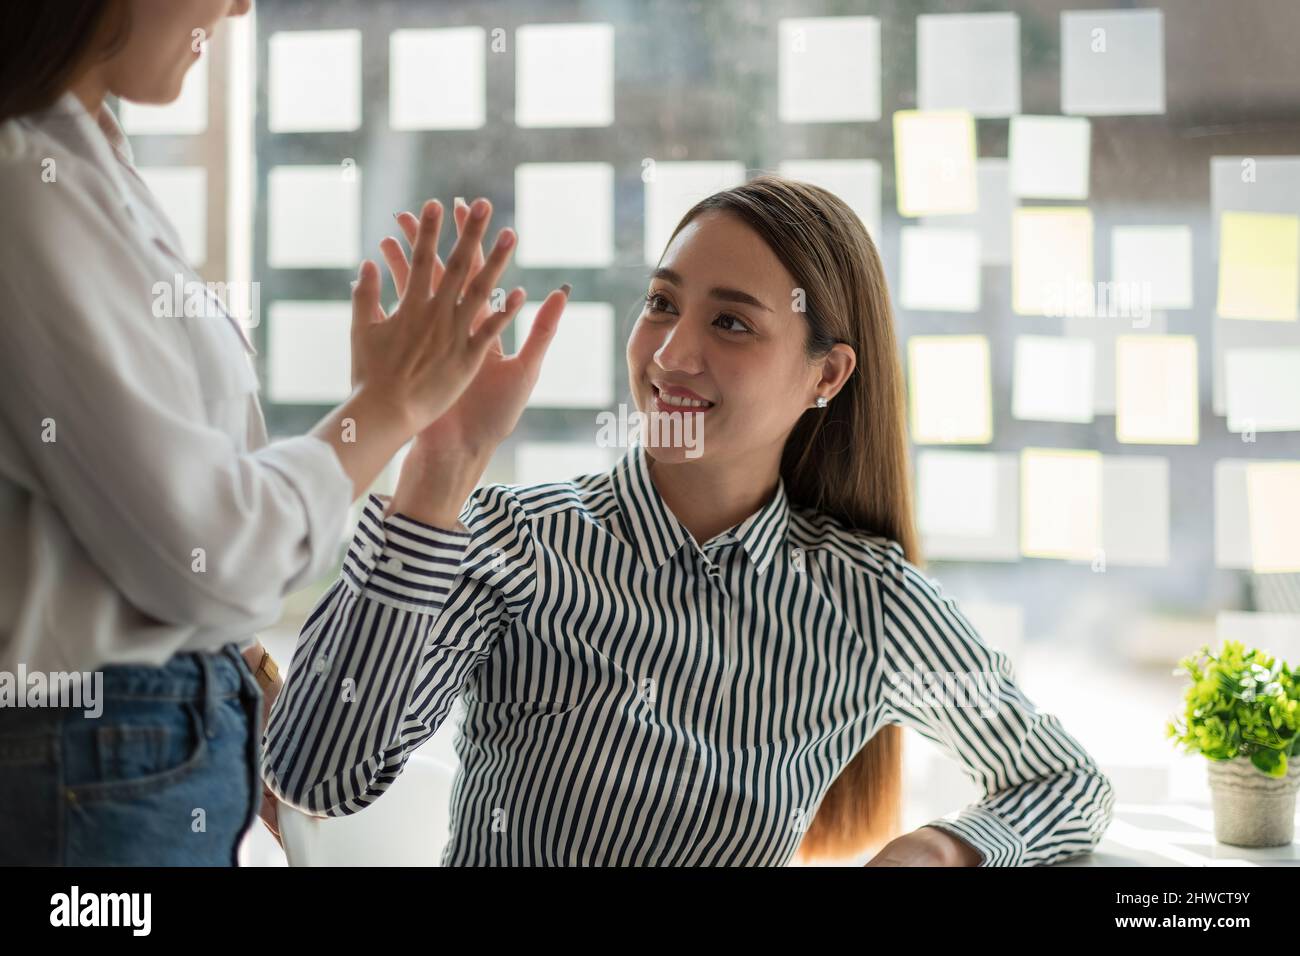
(992, 220)
(828, 69)
(856, 181)
(672, 188)
(940, 269)
(437, 78)
(544, 462)
(1273, 504)
(1263, 389)
(1229, 334)
(968, 504)
(182, 191)
(564, 214)
(968, 61)
(1051, 261)
(564, 75)
(1060, 503)
(578, 370)
(1135, 510)
(1050, 157)
(934, 162)
(1231, 515)
(314, 217)
(315, 81)
(1252, 184)
(1157, 260)
(1259, 266)
(309, 352)
(1053, 379)
(949, 389)
(1112, 62)
(186, 115)
(1156, 398)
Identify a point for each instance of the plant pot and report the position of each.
(1250, 807)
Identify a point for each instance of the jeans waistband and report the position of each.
(187, 676)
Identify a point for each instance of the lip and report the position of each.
(678, 392)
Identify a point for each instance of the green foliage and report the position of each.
(1241, 703)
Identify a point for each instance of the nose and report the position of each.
(681, 349)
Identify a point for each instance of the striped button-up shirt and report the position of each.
(633, 697)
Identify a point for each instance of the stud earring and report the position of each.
(821, 401)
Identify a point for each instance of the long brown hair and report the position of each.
(45, 44)
(850, 459)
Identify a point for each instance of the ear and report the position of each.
(836, 368)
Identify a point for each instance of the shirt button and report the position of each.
(320, 665)
(393, 565)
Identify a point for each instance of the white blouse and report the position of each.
(142, 512)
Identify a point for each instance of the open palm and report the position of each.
(490, 407)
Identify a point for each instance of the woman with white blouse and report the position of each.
(148, 529)
(703, 656)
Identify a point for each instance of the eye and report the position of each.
(728, 317)
(657, 302)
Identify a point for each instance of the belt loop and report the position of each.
(209, 695)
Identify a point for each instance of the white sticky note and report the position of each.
(564, 214)
(1112, 62)
(940, 269)
(828, 69)
(315, 81)
(185, 115)
(1277, 632)
(1259, 266)
(182, 191)
(856, 181)
(1157, 260)
(1135, 510)
(578, 370)
(1060, 503)
(1273, 504)
(1262, 389)
(1269, 184)
(1053, 379)
(310, 360)
(968, 61)
(539, 463)
(1051, 261)
(1232, 334)
(1050, 156)
(949, 388)
(437, 78)
(1231, 515)
(672, 188)
(564, 75)
(314, 217)
(1156, 397)
(968, 504)
(993, 217)
(934, 162)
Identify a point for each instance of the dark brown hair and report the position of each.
(850, 459)
(45, 44)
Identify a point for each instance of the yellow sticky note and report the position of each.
(1273, 503)
(1156, 400)
(934, 162)
(1060, 503)
(1259, 266)
(1051, 261)
(950, 398)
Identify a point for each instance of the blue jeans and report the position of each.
(166, 775)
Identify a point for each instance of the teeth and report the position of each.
(682, 402)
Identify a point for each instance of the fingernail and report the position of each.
(507, 239)
(566, 288)
(460, 200)
(479, 209)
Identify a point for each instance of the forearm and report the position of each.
(365, 432)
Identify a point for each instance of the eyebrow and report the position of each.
(727, 295)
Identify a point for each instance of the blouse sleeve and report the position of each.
(386, 651)
(1044, 799)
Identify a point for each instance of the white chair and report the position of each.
(408, 826)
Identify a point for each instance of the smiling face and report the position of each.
(720, 324)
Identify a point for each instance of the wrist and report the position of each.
(435, 484)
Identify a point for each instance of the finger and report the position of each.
(365, 299)
(398, 267)
(462, 256)
(462, 215)
(543, 329)
(480, 288)
(491, 327)
(425, 249)
(411, 227)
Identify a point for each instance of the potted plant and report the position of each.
(1242, 710)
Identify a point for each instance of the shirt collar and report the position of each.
(101, 134)
(658, 534)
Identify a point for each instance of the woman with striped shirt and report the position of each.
(703, 656)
